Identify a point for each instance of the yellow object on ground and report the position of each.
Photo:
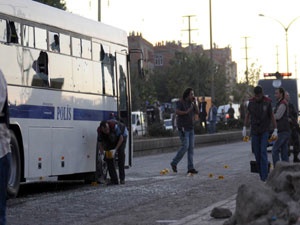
(246, 138)
(109, 154)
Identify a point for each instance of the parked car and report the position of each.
(138, 123)
(168, 124)
(223, 115)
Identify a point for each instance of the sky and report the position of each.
(234, 22)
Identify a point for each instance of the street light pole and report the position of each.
(286, 29)
(211, 55)
(99, 10)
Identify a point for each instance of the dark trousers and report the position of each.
(4, 173)
(202, 118)
(121, 164)
(294, 141)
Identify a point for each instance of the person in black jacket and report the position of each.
(5, 152)
(186, 109)
(293, 117)
(112, 137)
(280, 147)
(260, 115)
(203, 113)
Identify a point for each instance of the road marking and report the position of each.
(166, 221)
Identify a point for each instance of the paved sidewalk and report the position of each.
(203, 216)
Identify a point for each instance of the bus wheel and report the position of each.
(15, 168)
(101, 168)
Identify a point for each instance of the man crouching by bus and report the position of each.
(4, 148)
(112, 136)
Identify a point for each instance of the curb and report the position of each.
(142, 147)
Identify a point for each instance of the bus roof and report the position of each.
(47, 15)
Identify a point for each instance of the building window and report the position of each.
(158, 60)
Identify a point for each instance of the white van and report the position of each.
(138, 124)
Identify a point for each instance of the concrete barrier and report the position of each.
(150, 146)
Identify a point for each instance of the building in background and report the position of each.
(159, 56)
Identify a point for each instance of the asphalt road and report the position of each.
(147, 197)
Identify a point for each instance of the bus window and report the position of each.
(28, 36)
(2, 30)
(41, 68)
(64, 44)
(13, 32)
(86, 49)
(76, 47)
(96, 51)
(54, 42)
(108, 64)
(40, 38)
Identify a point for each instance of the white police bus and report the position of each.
(65, 73)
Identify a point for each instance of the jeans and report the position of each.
(121, 164)
(259, 147)
(281, 146)
(187, 144)
(4, 173)
(212, 127)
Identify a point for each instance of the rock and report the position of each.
(253, 201)
(220, 213)
(276, 202)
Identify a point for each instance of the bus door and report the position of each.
(124, 110)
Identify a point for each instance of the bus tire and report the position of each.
(15, 168)
(101, 166)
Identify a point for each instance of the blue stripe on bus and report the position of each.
(31, 111)
(89, 114)
(48, 112)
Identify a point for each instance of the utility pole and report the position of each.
(246, 58)
(99, 10)
(189, 30)
(212, 70)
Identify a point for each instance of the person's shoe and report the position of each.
(122, 181)
(193, 171)
(110, 183)
(100, 181)
(296, 159)
(174, 168)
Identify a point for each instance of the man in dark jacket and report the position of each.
(260, 115)
(203, 113)
(112, 136)
(293, 117)
(5, 152)
(186, 109)
(280, 147)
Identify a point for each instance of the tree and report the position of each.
(54, 3)
(185, 70)
(243, 90)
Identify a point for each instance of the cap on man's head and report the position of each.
(258, 90)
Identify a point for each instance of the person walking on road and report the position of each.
(294, 126)
(112, 138)
(260, 115)
(185, 110)
(281, 113)
(5, 153)
(212, 118)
